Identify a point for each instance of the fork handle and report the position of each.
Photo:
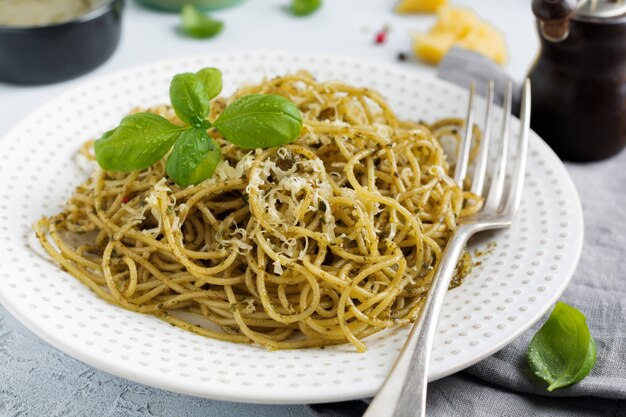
(403, 393)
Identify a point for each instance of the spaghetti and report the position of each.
(323, 241)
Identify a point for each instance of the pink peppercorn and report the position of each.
(381, 37)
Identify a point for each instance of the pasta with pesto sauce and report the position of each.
(326, 240)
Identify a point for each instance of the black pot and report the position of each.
(49, 54)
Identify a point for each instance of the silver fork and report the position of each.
(404, 392)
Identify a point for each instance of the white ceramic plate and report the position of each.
(517, 282)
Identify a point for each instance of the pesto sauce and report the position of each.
(29, 13)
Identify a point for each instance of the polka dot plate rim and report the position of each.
(519, 277)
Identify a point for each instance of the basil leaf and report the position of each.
(139, 141)
(194, 158)
(304, 7)
(212, 80)
(198, 25)
(260, 121)
(189, 98)
(563, 351)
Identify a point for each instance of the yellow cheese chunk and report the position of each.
(432, 48)
(419, 6)
(462, 28)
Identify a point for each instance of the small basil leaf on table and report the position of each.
(212, 80)
(260, 121)
(194, 158)
(304, 7)
(189, 98)
(138, 142)
(198, 25)
(563, 351)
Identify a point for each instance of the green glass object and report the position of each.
(176, 5)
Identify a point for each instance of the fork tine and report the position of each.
(481, 163)
(517, 180)
(494, 198)
(464, 147)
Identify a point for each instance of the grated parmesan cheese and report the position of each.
(278, 268)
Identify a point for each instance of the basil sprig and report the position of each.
(139, 141)
(196, 24)
(250, 122)
(194, 157)
(212, 80)
(304, 7)
(563, 351)
(189, 98)
(259, 121)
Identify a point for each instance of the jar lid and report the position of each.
(601, 8)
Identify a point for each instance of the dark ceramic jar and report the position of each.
(53, 53)
(579, 78)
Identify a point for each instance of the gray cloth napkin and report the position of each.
(461, 67)
(502, 385)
